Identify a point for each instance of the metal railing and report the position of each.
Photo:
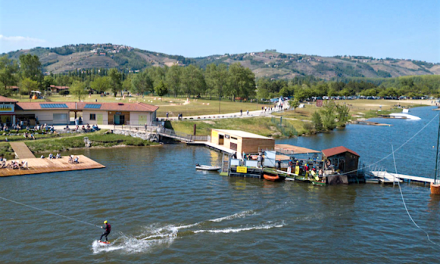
(181, 136)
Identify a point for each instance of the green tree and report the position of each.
(142, 83)
(8, 70)
(100, 84)
(328, 115)
(217, 78)
(30, 67)
(343, 114)
(295, 104)
(27, 86)
(241, 81)
(193, 80)
(127, 83)
(317, 121)
(173, 79)
(115, 81)
(161, 89)
(78, 90)
(48, 81)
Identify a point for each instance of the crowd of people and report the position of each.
(72, 159)
(16, 165)
(83, 128)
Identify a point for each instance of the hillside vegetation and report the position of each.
(268, 64)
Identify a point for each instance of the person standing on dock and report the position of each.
(108, 229)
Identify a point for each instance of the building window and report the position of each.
(92, 116)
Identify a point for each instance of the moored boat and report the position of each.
(207, 168)
(319, 183)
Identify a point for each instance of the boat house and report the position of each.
(241, 141)
(343, 159)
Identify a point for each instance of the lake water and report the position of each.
(163, 211)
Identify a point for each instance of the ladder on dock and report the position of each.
(21, 150)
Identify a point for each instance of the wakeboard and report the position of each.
(104, 242)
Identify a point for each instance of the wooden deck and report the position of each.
(38, 165)
(21, 150)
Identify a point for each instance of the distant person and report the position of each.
(279, 164)
(241, 112)
(167, 115)
(108, 229)
(247, 112)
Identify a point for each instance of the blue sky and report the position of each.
(385, 28)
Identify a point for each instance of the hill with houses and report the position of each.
(268, 63)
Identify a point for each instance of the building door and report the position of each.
(99, 119)
(221, 139)
(119, 120)
(233, 146)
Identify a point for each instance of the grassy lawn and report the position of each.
(99, 139)
(172, 105)
(265, 126)
(358, 108)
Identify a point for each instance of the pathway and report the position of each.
(21, 150)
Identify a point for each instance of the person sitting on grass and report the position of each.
(50, 156)
(32, 137)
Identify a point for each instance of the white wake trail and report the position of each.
(236, 230)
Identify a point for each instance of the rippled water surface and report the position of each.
(163, 211)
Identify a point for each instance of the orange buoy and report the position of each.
(435, 188)
(271, 177)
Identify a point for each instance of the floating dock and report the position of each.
(38, 165)
(386, 177)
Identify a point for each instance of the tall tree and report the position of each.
(241, 81)
(8, 70)
(78, 90)
(30, 67)
(115, 81)
(161, 89)
(100, 84)
(27, 86)
(193, 80)
(142, 82)
(173, 79)
(217, 78)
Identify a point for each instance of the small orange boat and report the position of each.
(272, 177)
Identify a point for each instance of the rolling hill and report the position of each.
(270, 63)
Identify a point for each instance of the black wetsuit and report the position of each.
(108, 229)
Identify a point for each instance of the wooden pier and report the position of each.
(38, 165)
(386, 177)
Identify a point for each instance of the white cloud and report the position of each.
(21, 39)
(18, 42)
